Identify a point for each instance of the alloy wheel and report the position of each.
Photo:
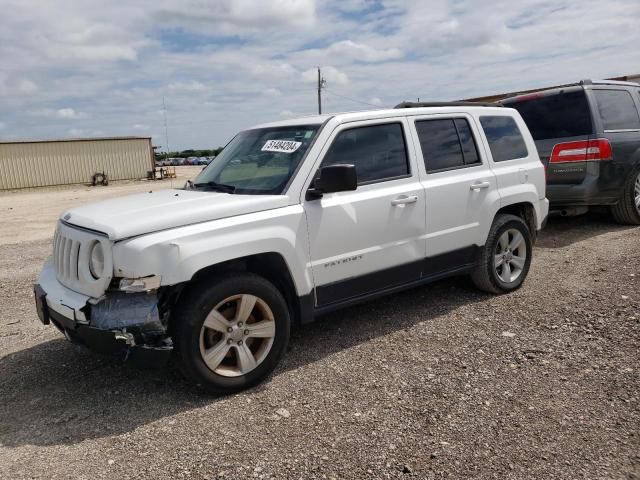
(237, 335)
(636, 193)
(510, 256)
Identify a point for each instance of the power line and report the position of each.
(350, 98)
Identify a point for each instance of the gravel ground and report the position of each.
(30, 214)
(436, 382)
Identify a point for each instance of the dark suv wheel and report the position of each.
(627, 210)
(231, 332)
(506, 257)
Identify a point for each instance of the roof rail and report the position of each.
(445, 104)
(615, 82)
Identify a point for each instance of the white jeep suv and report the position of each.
(292, 220)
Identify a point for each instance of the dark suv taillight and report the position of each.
(581, 151)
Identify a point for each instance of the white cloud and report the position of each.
(27, 87)
(69, 113)
(331, 74)
(93, 53)
(190, 86)
(225, 65)
(364, 53)
(272, 70)
(2, 125)
(65, 113)
(227, 15)
(85, 132)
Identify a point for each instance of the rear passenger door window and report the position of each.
(617, 110)
(378, 152)
(504, 137)
(447, 144)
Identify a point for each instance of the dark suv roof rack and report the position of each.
(608, 82)
(565, 87)
(445, 104)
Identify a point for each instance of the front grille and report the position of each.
(66, 252)
(71, 251)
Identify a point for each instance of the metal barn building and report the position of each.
(25, 164)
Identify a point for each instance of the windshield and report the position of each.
(258, 161)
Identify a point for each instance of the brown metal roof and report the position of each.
(74, 140)
(499, 96)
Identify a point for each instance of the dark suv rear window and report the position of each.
(555, 116)
(617, 110)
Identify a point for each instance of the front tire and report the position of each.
(627, 210)
(506, 256)
(230, 333)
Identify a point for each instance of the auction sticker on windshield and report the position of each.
(281, 146)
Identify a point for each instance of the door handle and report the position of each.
(404, 200)
(480, 185)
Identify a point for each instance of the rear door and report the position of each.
(459, 187)
(555, 117)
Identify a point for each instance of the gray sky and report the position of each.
(94, 68)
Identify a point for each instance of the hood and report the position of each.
(132, 215)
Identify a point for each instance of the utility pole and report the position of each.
(166, 130)
(321, 84)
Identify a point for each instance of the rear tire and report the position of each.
(230, 333)
(506, 256)
(627, 210)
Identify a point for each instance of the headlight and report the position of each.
(144, 284)
(96, 262)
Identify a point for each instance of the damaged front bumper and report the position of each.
(123, 324)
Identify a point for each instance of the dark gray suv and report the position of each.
(588, 137)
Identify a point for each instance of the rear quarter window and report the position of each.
(504, 137)
(555, 116)
(617, 110)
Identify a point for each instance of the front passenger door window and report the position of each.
(378, 152)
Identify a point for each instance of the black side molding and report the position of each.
(377, 284)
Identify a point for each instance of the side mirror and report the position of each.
(334, 178)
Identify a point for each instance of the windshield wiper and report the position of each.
(220, 187)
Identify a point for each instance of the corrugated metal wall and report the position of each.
(38, 164)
